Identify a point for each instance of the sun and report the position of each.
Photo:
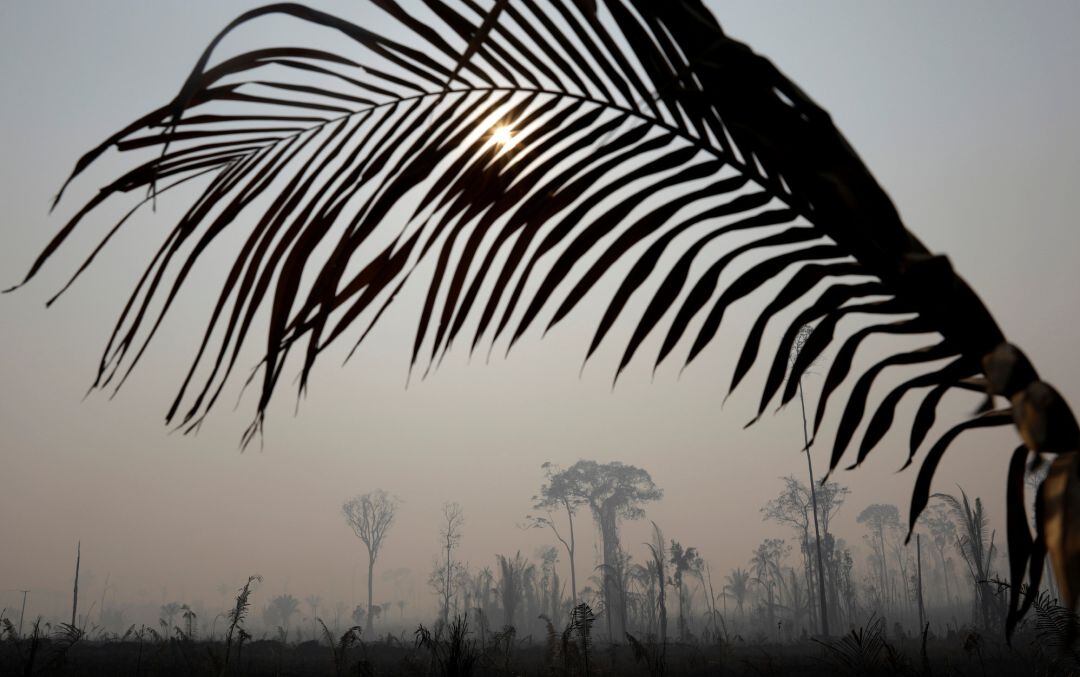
(503, 136)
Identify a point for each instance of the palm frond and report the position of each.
(1057, 628)
(511, 155)
(859, 652)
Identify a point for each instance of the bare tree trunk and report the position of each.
(817, 534)
(944, 574)
(682, 619)
(654, 608)
(808, 568)
(772, 608)
(712, 603)
(23, 612)
(370, 590)
(662, 601)
(75, 596)
(446, 590)
(573, 569)
(613, 596)
(904, 599)
(918, 557)
(884, 565)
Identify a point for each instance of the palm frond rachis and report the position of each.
(626, 101)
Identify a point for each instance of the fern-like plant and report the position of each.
(976, 546)
(236, 617)
(1056, 628)
(453, 652)
(339, 649)
(64, 638)
(581, 621)
(859, 652)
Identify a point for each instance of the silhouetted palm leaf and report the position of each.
(859, 652)
(1057, 628)
(632, 131)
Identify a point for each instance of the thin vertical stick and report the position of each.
(75, 596)
(823, 627)
(918, 558)
(23, 612)
(817, 533)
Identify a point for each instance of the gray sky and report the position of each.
(965, 111)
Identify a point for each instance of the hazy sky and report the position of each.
(966, 112)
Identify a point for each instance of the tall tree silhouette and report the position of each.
(511, 586)
(281, 609)
(823, 616)
(738, 586)
(656, 548)
(683, 561)
(371, 515)
(803, 507)
(614, 492)
(555, 495)
(526, 150)
(444, 575)
(766, 564)
(943, 536)
(880, 518)
(976, 546)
